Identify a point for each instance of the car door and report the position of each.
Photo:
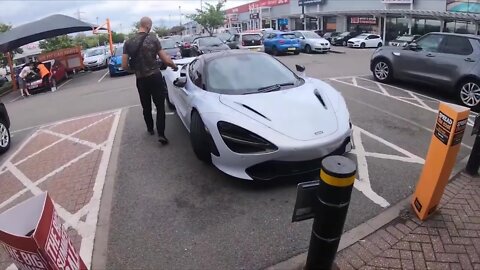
(454, 59)
(302, 39)
(267, 42)
(373, 41)
(183, 94)
(411, 63)
(234, 41)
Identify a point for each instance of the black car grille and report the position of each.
(350, 42)
(274, 168)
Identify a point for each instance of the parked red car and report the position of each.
(58, 71)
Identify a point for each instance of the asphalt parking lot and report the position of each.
(171, 210)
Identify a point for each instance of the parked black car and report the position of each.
(329, 35)
(342, 39)
(403, 41)
(4, 129)
(3, 80)
(202, 45)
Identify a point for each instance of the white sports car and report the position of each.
(254, 118)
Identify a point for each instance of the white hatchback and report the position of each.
(365, 41)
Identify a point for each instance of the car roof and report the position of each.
(456, 34)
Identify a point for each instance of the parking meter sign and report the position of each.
(306, 192)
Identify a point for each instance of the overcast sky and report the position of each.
(122, 13)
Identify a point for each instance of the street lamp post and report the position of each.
(303, 15)
(180, 10)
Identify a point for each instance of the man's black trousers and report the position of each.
(152, 88)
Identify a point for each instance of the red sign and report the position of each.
(59, 53)
(34, 237)
(260, 3)
(363, 20)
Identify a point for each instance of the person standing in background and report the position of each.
(22, 80)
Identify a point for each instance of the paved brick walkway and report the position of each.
(450, 239)
(69, 160)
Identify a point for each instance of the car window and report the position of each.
(209, 41)
(250, 37)
(195, 73)
(456, 45)
(168, 43)
(373, 37)
(430, 43)
(236, 37)
(288, 36)
(258, 70)
(298, 35)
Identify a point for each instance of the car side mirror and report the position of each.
(414, 47)
(180, 82)
(300, 68)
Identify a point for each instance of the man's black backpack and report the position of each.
(132, 60)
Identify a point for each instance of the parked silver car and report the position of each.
(445, 60)
(312, 42)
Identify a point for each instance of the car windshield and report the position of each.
(224, 36)
(405, 38)
(311, 35)
(94, 52)
(209, 41)
(119, 51)
(344, 34)
(250, 37)
(188, 39)
(288, 36)
(168, 43)
(258, 71)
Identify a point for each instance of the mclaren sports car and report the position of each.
(254, 118)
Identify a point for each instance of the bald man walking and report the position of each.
(144, 48)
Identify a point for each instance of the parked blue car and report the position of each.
(281, 42)
(115, 63)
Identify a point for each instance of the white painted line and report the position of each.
(15, 99)
(354, 81)
(362, 184)
(419, 100)
(61, 139)
(384, 91)
(99, 80)
(72, 139)
(63, 84)
(86, 250)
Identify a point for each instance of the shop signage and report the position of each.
(254, 16)
(397, 1)
(309, 2)
(283, 21)
(260, 3)
(363, 20)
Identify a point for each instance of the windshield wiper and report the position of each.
(274, 87)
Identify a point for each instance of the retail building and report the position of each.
(388, 18)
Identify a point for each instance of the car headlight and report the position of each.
(242, 141)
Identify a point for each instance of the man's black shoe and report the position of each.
(163, 140)
(151, 132)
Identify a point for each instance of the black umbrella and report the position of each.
(51, 26)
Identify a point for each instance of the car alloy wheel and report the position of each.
(4, 138)
(199, 138)
(344, 43)
(379, 45)
(470, 94)
(362, 45)
(382, 71)
(308, 49)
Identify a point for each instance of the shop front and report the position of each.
(363, 24)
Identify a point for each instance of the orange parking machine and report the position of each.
(446, 140)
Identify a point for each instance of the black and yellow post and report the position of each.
(330, 208)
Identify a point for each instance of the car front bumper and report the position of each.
(301, 156)
(116, 70)
(321, 48)
(93, 65)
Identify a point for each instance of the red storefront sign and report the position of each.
(59, 53)
(34, 237)
(363, 20)
(259, 3)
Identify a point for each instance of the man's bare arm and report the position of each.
(166, 59)
(125, 61)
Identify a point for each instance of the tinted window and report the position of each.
(430, 43)
(312, 35)
(405, 38)
(258, 70)
(250, 37)
(298, 35)
(195, 74)
(94, 52)
(288, 36)
(456, 45)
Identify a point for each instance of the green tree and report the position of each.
(161, 31)
(102, 39)
(56, 43)
(3, 57)
(211, 17)
(118, 37)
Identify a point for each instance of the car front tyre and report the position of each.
(308, 49)
(469, 93)
(199, 138)
(362, 45)
(379, 45)
(4, 137)
(274, 51)
(382, 71)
